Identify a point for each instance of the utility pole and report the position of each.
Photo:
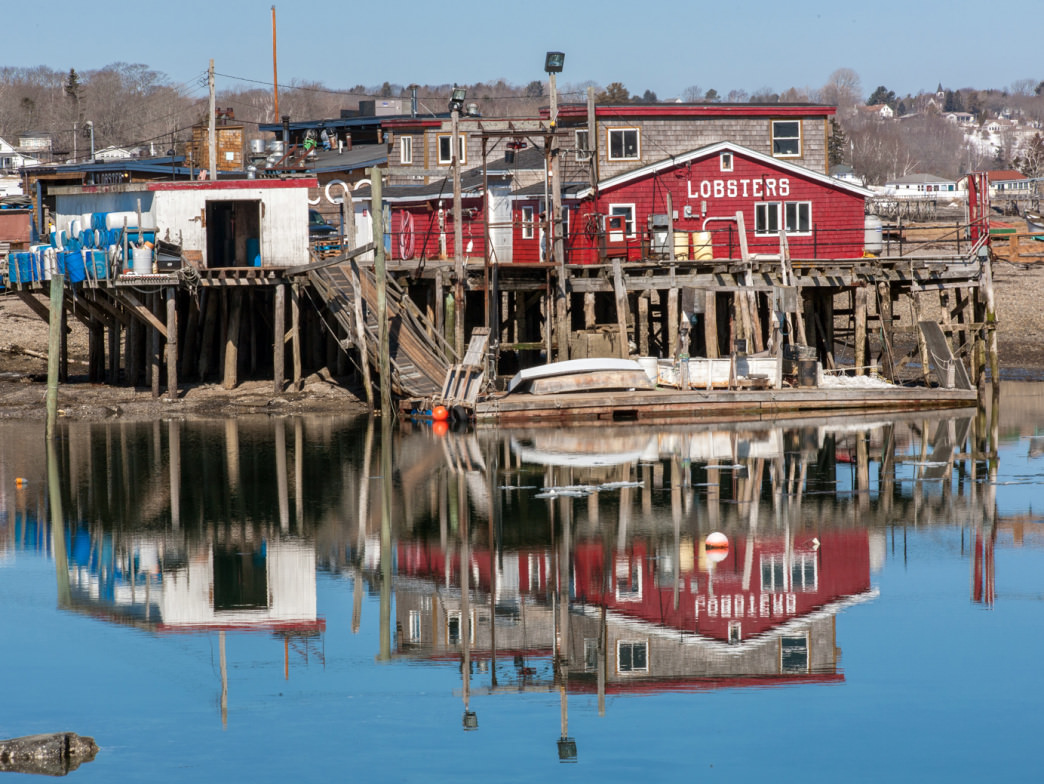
(458, 240)
(380, 272)
(275, 69)
(557, 243)
(212, 130)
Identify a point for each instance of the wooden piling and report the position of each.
(710, 324)
(295, 336)
(54, 338)
(279, 340)
(231, 371)
(172, 342)
(861, 354)
(621, 308)
(154, 353)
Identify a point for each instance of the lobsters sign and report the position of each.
(745, 188)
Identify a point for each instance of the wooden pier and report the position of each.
(226, 324)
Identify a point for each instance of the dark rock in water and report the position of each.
(54, 754)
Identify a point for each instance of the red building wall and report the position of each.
(416, 231)
(712, 597)
(837, 214)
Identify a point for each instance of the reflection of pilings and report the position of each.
(465, 586)
(224, 678)
(386, 538)
(61, 561)
(174, 450)
(281, 480)
(863, 472)
(363, 520)
(298, 474)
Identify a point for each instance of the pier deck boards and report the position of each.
(715, 405)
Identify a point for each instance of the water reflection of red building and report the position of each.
(656, 616)
(761, 583)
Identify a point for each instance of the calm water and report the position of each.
(258, 599)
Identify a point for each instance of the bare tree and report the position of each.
(843, 89)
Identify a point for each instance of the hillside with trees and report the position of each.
(947, 132)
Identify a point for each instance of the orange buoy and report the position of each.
(440, 428)
(440, 413)
(21, 481)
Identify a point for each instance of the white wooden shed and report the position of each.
(223, 223)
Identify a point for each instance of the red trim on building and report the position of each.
(687, 110)
(222, 185)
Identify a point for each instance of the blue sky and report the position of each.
(906, 45)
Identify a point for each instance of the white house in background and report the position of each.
(922, 186)
(846, 173)
(1008, 183)
(997, 125)
(880, 110)
(11, 158)
(961, 118)
(113, 154)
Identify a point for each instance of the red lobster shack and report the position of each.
(704, 190)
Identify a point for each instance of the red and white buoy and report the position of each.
(717, 545)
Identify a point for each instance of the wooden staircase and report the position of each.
(420, 358)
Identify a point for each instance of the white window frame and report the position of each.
(590, 654)
(725, 161)
(776, 563)
(808, 654)
(582, 149)
(406, 149)
(528, 221)
(735, 631)
(786, 138)
(763, 211)
(634, 643)
(459, 617)
(415, 626)
(629, 223)
(798, 565)
(799, 207)
(763, 225)
(463, 151)
(610, 132)
(628, 573)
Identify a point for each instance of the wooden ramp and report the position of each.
(419, 357)
(949, 371)
(464, 381)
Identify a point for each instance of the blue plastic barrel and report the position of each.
(253, 251)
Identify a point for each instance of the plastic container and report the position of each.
(873, 235)
(253, 251)
(115, 220)
(70, 263)
(651, 367)
(142, 261)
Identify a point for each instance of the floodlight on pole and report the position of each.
(554, 61)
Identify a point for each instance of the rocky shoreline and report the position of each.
(23, 367)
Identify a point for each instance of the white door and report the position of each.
(500, 223)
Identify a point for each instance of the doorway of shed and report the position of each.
(234, 233)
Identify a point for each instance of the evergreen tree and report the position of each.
(615, 92)
(881, 95)
(837, 146)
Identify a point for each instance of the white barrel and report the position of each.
(142, 258)
(651, 367)
(873, 235)
(115, 220)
